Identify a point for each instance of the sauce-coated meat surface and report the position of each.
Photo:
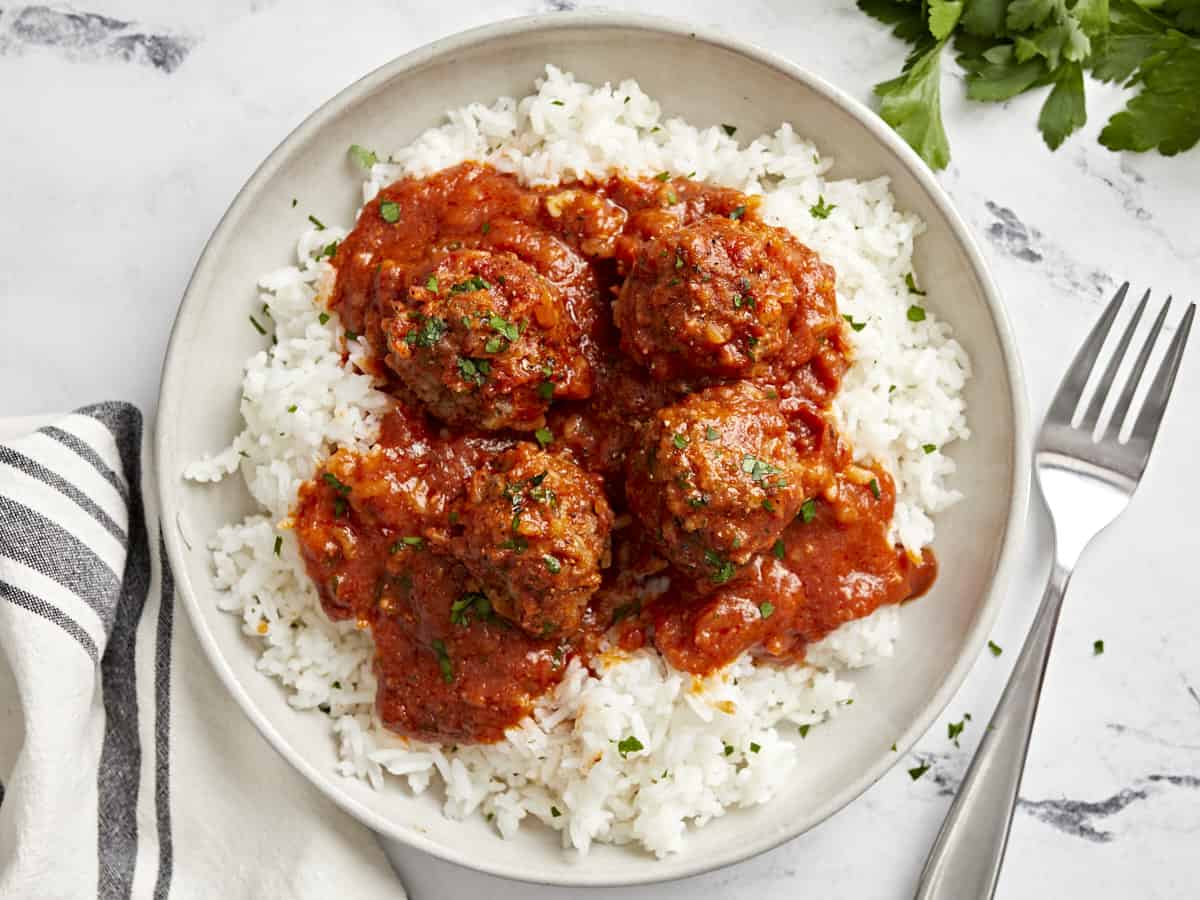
(610, 422)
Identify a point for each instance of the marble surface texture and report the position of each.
(128, 126)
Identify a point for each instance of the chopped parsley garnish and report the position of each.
(294, 202)
(429, 331)
(323, 318)
(389, 212)
(722, 569)
(893, 748)
(995, 648)
(673, 282)
(278, 544)
(431, 284)
(759, 470)
(698, 501)
(443, 658)
(768, 505)
(928, 448)
(553, 566)
(822, 209)
(506, 328)
(804, 730)
(554, 812)
(917, 772)
(486, 227)
(766, 609)
(741, 300)
(339, 507)
(474, 283)
(629, 745)
(293, 408)
(473, 603)
(672, 198)
(738, 212)
(475, 371)
(954, 729)
(680, 441)
(332, 480)
(711, 434)
(808, 510)
(517, 543)
(754, 748)
(544, 436)
(778, 549)
(557, 103)
(328, 250)
(1097, 648)
(873, 484)
(317, 223)
(351, 335)
(663, 176)
(730, 130)
(364, 157)
(546, 390)
(729, 750)
(911, 284)
(857, 326)
(916, 313)
(257, 327)
(493, 345)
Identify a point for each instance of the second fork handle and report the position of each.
(965, 861)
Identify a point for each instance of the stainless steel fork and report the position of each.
(1087, 472)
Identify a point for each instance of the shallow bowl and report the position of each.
(707, 78)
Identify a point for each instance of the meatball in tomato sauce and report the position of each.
(483, 339)
(724, 297)
(535, 533)
(718, 477)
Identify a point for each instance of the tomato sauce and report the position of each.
(382, 532)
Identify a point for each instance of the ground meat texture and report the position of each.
(725, 297)
(535, 534)
(717, 478)
(483, 339)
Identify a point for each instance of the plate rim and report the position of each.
(1006, 559)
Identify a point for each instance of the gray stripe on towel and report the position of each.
(35, 469)
(162, 726)
(52, 613)
(45, 546)
(121, 753)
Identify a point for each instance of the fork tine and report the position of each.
(1151, 415)
(1062, 408)
(1092, 416)
(1135, 374)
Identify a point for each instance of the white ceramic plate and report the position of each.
(707, 78)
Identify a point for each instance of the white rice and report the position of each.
(706, 745)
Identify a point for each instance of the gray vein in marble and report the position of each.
(1148, 737)
(560, 5)
(84, 36)
(1078, 818)
(1015, 238)
(1191, 690)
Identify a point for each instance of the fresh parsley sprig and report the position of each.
(1009, 47)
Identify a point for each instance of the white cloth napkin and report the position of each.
(126, 770)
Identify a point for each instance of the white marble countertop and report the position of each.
(126, 142)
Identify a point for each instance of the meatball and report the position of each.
(535, 533)
(725, 297)
(717, 477)
(483, 340)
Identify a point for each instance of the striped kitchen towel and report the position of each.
(125, 768)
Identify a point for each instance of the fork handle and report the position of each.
(964, 863)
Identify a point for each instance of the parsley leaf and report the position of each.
(1064, 111)
(821, 209)
(1165, 115)
(389, 212)
(912, 105)
(943, 16)
(364, 157)
(629, 745)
